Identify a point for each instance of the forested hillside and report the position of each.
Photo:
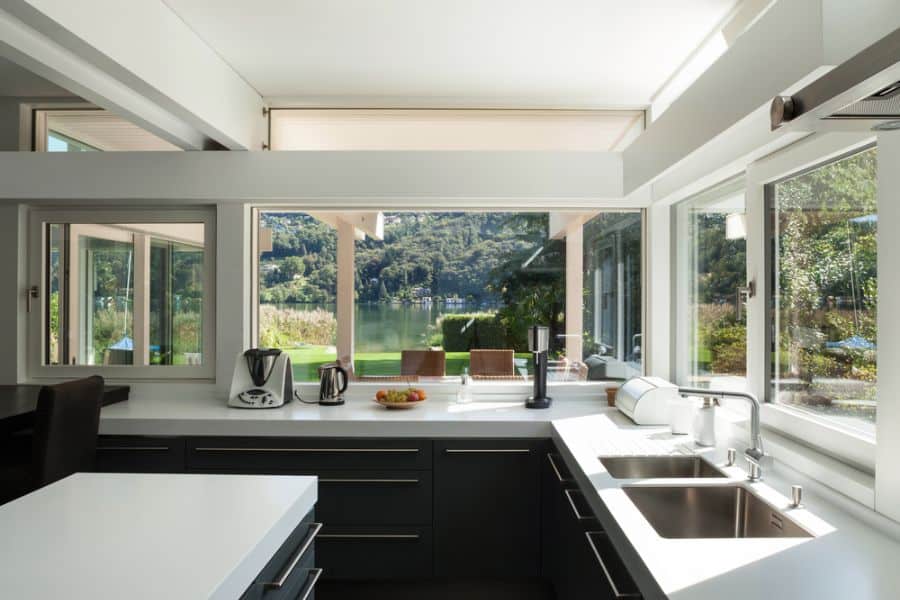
(439, 255)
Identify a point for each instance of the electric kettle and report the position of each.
(332, 384)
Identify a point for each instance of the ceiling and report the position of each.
(455, 53)
(18, 81)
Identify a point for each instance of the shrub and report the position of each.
(287, 327)
(485, 331)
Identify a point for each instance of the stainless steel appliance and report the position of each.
(538, 345)
(262, 379)
(333, 382)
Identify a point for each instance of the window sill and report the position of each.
(846, 446)
(495, 390)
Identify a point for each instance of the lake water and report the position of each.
(392, 327)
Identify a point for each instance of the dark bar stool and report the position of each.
(65, 437)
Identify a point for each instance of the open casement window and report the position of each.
(424, 295)
(711, 255)
(122, 293)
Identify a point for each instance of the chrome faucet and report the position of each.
(755, 454)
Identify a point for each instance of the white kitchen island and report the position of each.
(96, 536)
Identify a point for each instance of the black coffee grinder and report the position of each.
(538, 345)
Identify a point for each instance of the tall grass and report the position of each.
(287, 327)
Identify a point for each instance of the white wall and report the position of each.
(12, 293)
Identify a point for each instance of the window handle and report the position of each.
(32, 294)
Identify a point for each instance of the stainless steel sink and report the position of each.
(711, 512)
(645, 467)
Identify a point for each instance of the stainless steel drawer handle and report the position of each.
(311, 580)
(487, 451)
(314, 529)
(311, 450)
(136, 448)
(606, 573)
(369, 536)
(575, 510)
(386, 481)
(556, 470)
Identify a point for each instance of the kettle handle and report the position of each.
(344, 379)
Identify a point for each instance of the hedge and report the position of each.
(463, 332)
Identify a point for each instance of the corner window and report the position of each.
(120, 291)
(427, 295)
(711, 327)
(824, 284)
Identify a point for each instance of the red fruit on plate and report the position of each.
(380, 395)
(412, 397)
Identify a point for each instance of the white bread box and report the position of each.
(645, 400)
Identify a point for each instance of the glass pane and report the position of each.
(297, 289)
(124, 294)
(712, 269)
(106, 296)
(613, 330)
(176, 294)
(57, 142)
(825, 291)
(454, 282)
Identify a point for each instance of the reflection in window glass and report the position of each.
(613, 334)
(825, 284)
(712, 269)
(124, 294)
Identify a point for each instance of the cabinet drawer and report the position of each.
(291, 571)
(609, 577)
(374, 497)
(257, 455)
(374, 552)
(140, 454)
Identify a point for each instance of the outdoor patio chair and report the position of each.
(425, 363)
(494, 363)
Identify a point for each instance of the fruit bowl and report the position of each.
(406, 398)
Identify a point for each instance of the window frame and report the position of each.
(563, 388)
(825, 436)
(37, 318)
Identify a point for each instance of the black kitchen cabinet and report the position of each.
(555, 478)
(291, 574)
(140, 454)
(487, 507)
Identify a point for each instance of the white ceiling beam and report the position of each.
(41, 55)
(105, 50)
(363, 181)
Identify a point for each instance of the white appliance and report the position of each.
(645, 400)
(262, 379)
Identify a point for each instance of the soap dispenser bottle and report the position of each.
(705, 423)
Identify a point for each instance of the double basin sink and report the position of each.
(698, 511)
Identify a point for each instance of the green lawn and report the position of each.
(306, 360)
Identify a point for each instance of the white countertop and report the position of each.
(96, 536)
(203, 412)
(847, 559)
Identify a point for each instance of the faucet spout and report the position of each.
(755, 453)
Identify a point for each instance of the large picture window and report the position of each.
(824, 284)
(437, 293)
